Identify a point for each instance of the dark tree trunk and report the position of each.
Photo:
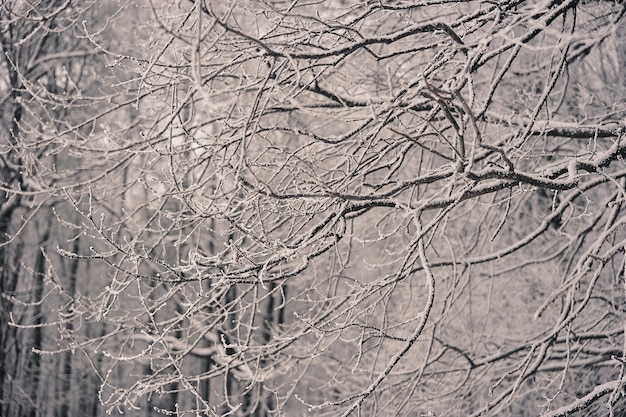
(33, 369)
(65, 384)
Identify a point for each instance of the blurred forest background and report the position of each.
(329, 208)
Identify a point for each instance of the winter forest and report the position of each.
(312, 208)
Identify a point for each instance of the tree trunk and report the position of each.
(65, 384)
(33, 369)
